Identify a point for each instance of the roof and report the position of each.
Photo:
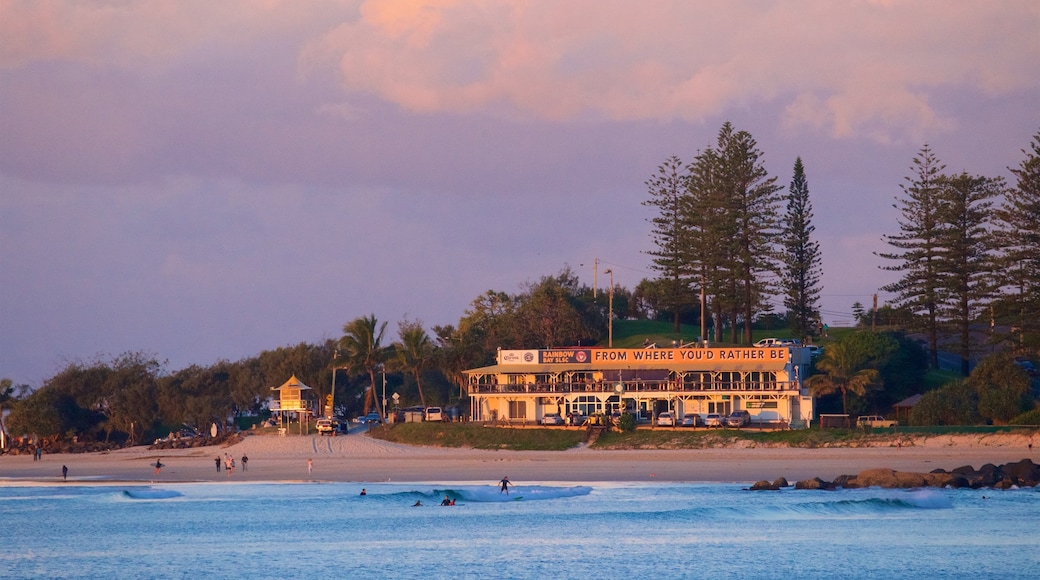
(531, 369)
(292, 383)
(909, 401)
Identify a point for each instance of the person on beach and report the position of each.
(505, 485)
(217, 461)
(64, 473)
(245, 462)
(310, 466)
(158, 466)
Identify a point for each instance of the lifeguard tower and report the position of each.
(292, 402)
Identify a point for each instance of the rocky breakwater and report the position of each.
(1024, 473)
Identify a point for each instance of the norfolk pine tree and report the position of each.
(752, 203)
(920, 244)
(802, 257)
(671, 235)
(967, 262)
(709, 218)
(1018, 235)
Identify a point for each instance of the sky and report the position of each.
(206, 180)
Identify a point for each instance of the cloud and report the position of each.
(852, 69)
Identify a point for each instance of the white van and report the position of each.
(434, 414)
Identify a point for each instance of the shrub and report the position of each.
(1027, 418)
(627, 423)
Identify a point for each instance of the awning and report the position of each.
(704, 367)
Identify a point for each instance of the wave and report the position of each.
(486, 494)
(857, 506)
(150, 493)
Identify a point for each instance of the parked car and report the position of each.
(738, 419)
(370, 418)
(665, 420)
(576, 419)
(875, 421)
(777, 342)
(692, 420)
(552, 419)
(815, 351)
(327, 426)
(713, 420)
(434, 414)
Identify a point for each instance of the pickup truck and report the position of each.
(875, 421)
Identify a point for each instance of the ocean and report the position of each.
(328, 530)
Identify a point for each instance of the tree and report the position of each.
(967, 261)
(843, 365)
(361, 351)
(413, 354)
(1019, 239)
(919, 245)
(671, 236)
(1002, 387)
(130, 393)
(550, 313)
(858, 312)
(802, 259)
(753, 207)
(733, 210)
(955, 403)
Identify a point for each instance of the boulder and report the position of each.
(781, 482)
(814, 483)
(764, 486)
(846, 481)
(891, 478)
(1025, 473)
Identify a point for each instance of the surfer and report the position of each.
(65, 472)
(158, 466)
(363, 492)
(417, 504)
(446, 501)
(505, 483)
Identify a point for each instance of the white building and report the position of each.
(525, 385)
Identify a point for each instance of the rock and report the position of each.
(890, 478)
(846, 481)
(1025, 473)
(764, 486)
(814, 483)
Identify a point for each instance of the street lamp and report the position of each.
(610, 314)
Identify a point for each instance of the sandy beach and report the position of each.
(359, 458)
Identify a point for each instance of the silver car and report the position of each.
(552, 419)
(713, 420)
(738, 419)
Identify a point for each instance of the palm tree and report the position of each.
(414, 353)
(361, 351)
(843, 370)
(6, 394)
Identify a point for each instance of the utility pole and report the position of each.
(873, 315)
(610, 315)
(332, 393)
(595, 277)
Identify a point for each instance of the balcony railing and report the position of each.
(648, 387)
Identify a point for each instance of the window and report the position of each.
(517, 409)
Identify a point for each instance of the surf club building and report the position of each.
(525, 385)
